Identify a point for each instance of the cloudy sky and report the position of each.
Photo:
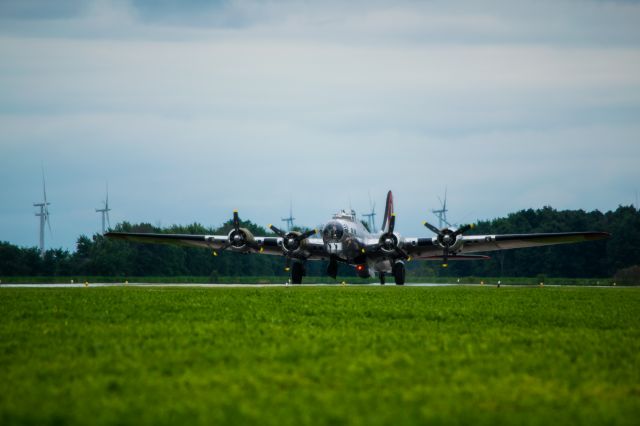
(190, 109)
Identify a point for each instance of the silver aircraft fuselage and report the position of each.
(346, 238)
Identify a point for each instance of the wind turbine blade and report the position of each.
(44, 187)
(48, 223)
(444, 207)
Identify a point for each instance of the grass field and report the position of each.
(320, 355)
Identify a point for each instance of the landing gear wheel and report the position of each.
(332, 268)
(381, 276)
(399, 273)
(297, 271)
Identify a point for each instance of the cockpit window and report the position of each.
(333, 231)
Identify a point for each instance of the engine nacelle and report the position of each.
(293, 243)
(449, 240)
(240, 239)
(389, 242)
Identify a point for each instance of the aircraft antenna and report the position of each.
(289, 220)
(442, 212)
(105, 211)
(43, 214)
(371, 216)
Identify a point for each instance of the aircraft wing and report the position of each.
(482, 243)
(314, 248)
(428, 248)
(269, 245)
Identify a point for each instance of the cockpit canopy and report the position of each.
(333, 231)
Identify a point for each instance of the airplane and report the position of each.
(345, 239)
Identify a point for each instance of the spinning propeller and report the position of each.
(448, 238)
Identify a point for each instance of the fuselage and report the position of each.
(344, 236)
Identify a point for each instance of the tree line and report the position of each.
(99, 256)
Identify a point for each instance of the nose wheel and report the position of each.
(399, 273)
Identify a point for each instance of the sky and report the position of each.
(191, 109)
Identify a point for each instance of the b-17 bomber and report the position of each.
(345, 239)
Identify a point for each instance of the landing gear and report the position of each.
(332, 269)
(297, 271)
(381, 276)
(399, 273)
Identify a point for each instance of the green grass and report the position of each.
(320, 355)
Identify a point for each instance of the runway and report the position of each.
(81, 285)
(238, 285)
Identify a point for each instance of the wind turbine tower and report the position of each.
(442, 212)
(289, 220)
(105, 212)
(43, 215)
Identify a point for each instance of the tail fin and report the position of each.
(388, 211)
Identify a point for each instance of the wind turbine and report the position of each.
(442, 212)
(289, 220)
(105, 211)
(43, 215)
(371, 217)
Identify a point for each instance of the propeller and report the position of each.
(388, 242)
(447, 238)
(238, 237)
(291, 241)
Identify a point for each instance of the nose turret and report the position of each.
(332, 232)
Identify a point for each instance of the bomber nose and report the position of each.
(332, 232)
